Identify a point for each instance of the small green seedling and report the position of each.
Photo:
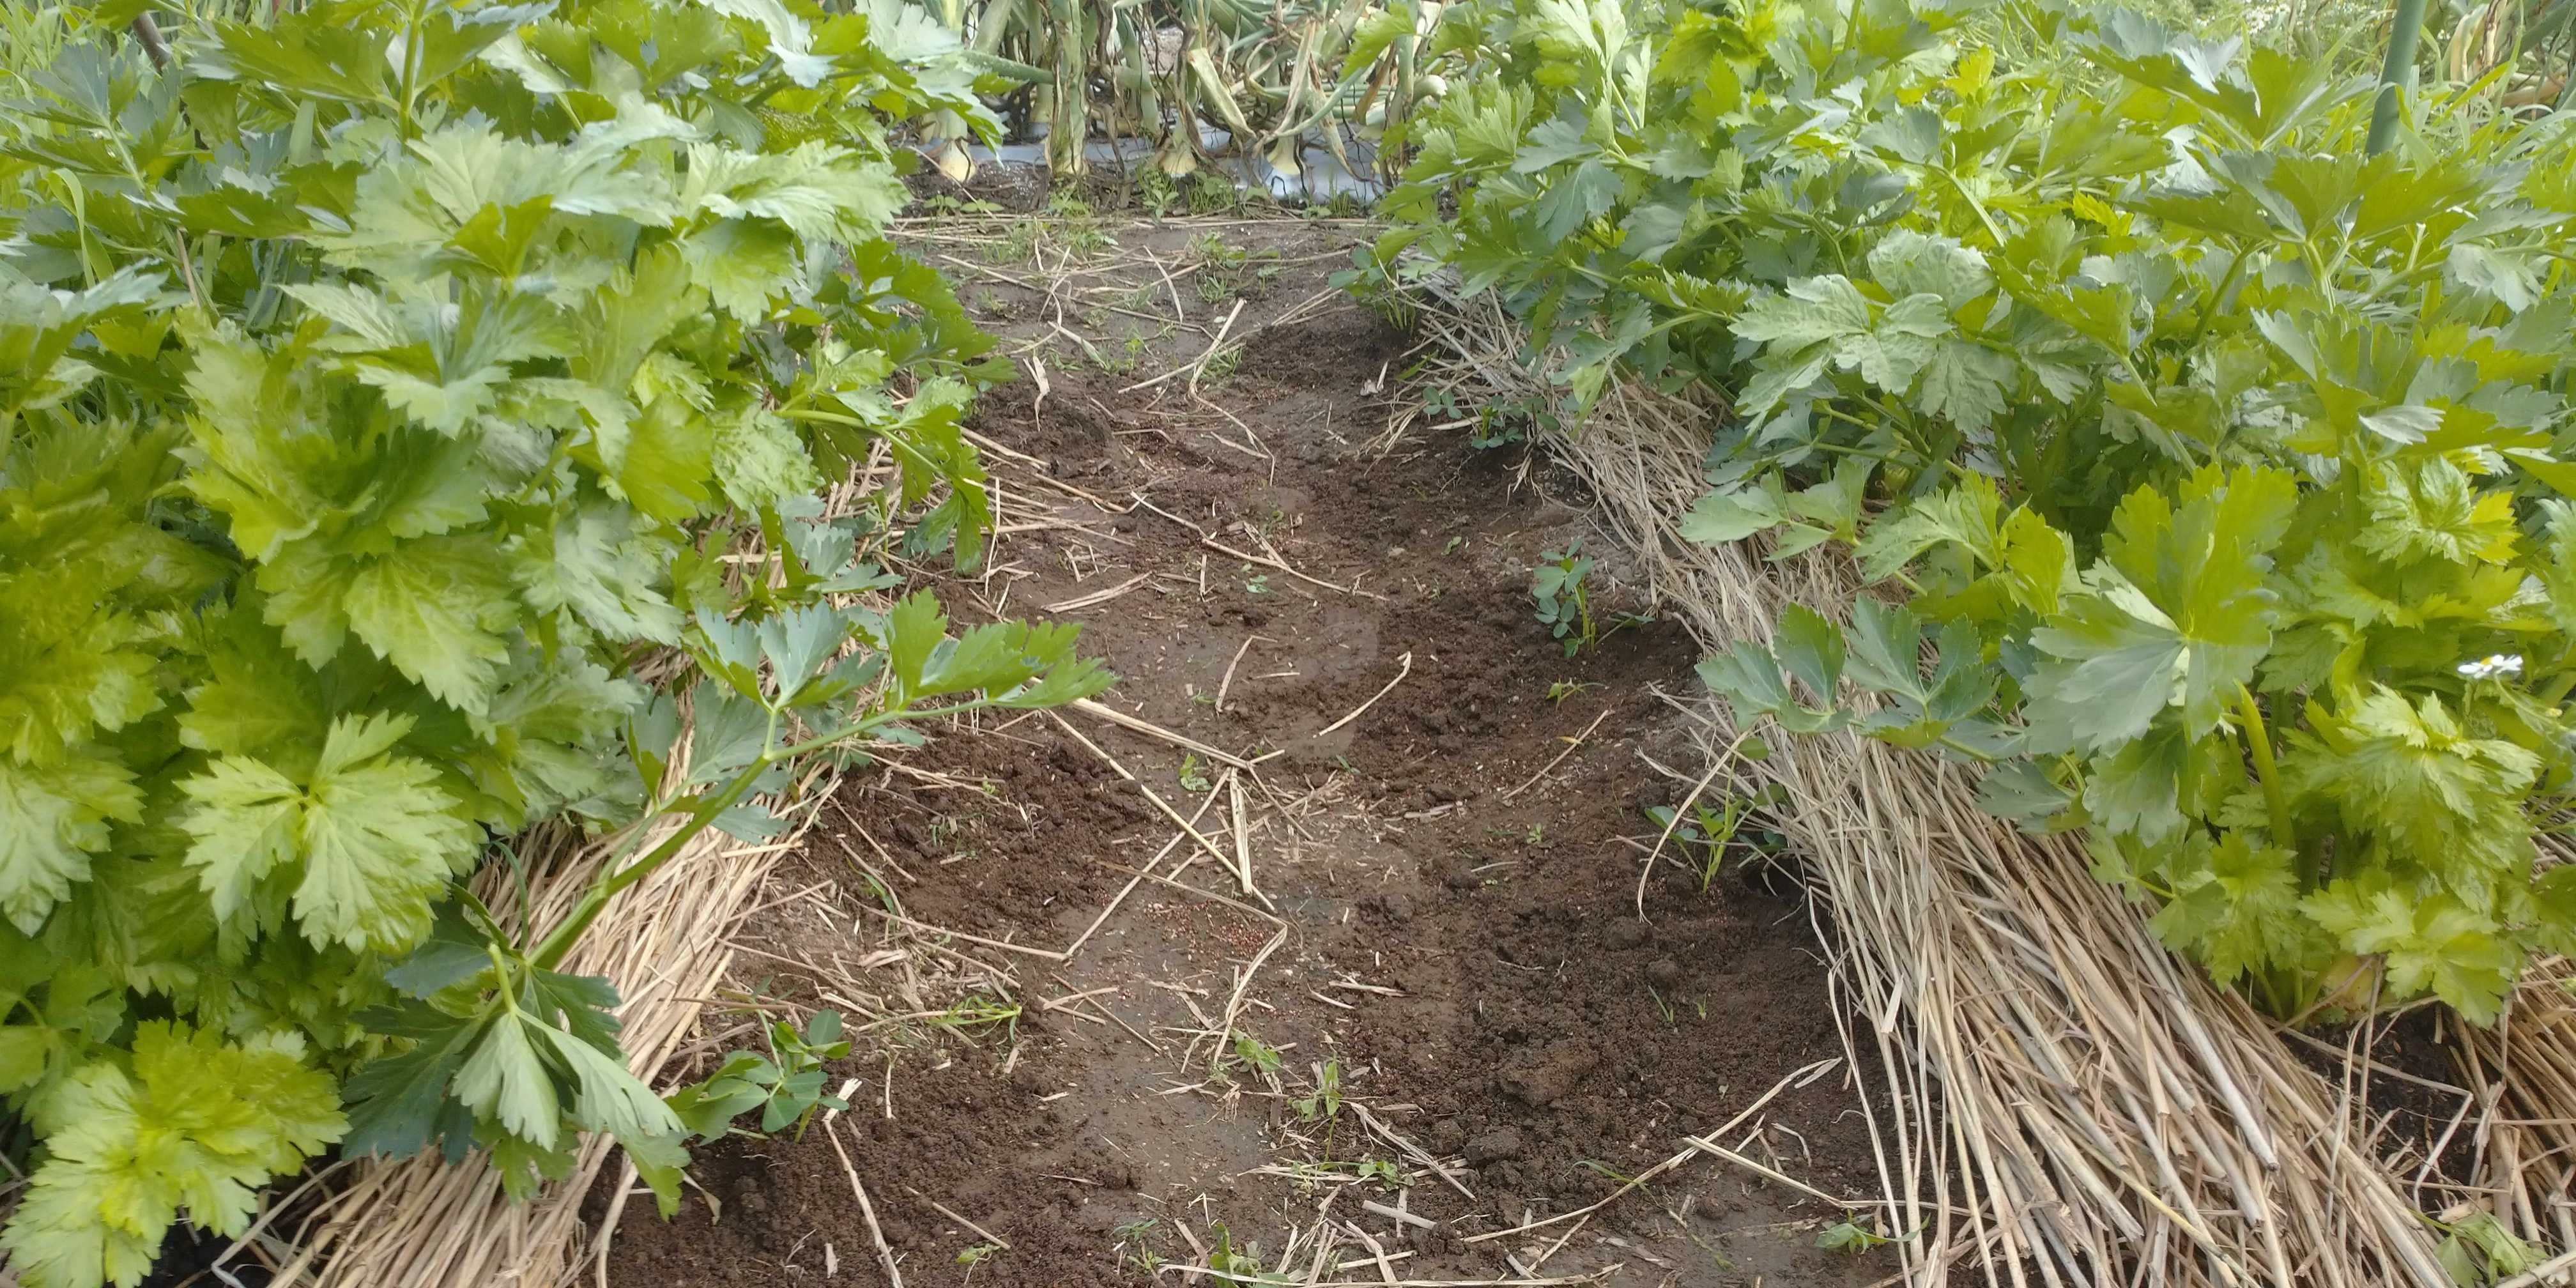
(1536, 836)
(1243, 1267)
(1325, 1105)
(1563, 689)
(1327, 1101)
(786, 1085)
(1383, 1172)
(1210, 193)
(1663, 1008)
(1133, 1243)
(1193, 775)
(974, 1256)
(976, 1011)
(1855, 1238)
(1156, 192)
(1253, 1054)
(1257, 584)
(1564, 602)
(1708, 832)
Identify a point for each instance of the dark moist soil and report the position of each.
(1512, 1014)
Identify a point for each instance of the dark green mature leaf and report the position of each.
(2176, 615)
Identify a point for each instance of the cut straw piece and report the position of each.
(1148, 728)
(1570, 748)
(867, 1210)
(1098, 597)
(1222, 858)
(1139, 878)
(1404, 667)
(1242, 837)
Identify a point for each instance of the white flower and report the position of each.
(2492, 665)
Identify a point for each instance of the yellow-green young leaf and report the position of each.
(198, 1125)
(822, 192)
(53, 818)
(1732, 514)
(670, 455)
(596, 566)
(269, 468)
(1912, 263)
(2235, 908)
(246, 824)
(68, 667)
(2408, 773)
(1811, 648)
(761, 462)
(1811, 311)
(1967, 382)
(257, 697)
(437, 610)
(380, 841)
(1374, 33)
(627, 319)
(913, 628)
(2137, 790)
(303, 593)
(2553, 898)
(2429, 943)
(996, 657)
(741, 264)
(2558, 570)
(1968, 515)
(2176, 614)
(365, 846)
(2431, 512)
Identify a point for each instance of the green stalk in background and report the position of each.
(2402, 38)
(1070, 124)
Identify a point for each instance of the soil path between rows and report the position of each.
(1443, 890)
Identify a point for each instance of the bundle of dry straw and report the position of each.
(2062, 1101)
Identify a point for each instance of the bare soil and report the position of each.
(1444, 906)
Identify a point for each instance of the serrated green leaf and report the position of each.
(503, 1079)
(1812, 310)
(2429, 944)
(436, 609)
(2175, 615)
(369, 841)
(199, 1123)
(1912, 263)
(2412, 773)
(1967, 382)
(2431, 512)
(595, 565)
(2137, 790)
(2235, 908)
(53, 819)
